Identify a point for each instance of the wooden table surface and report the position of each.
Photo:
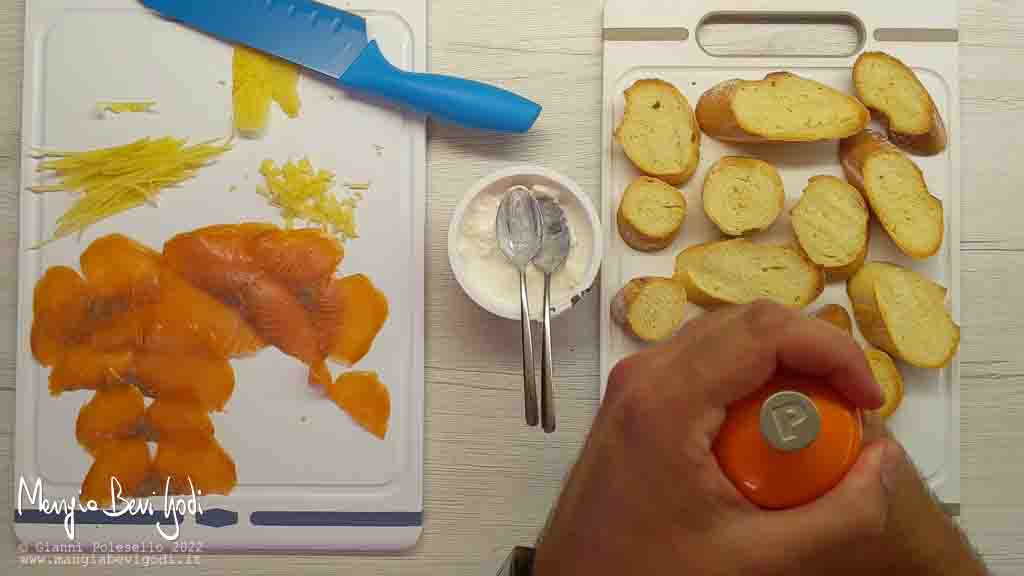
(489, 481)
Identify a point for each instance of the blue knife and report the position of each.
(333, 42)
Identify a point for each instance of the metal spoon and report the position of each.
(550, 259)
(519, 232)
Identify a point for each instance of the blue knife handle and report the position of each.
(465, 102)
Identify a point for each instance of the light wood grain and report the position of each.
(488, 480)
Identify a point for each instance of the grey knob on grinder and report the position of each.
(790, 421)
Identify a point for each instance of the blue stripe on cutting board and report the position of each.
(305, 518)
(217, 518)
(214, 517)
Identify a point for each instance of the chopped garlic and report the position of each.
(303, 193)
(113, 180)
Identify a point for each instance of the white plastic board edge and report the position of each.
(942, 58)
(936, 14)
(40, 14)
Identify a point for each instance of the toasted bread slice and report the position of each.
(739, 271)
(650, 214)
(781, 108)
(903, 313)
(895, 188)
(831, 225)
(650, 309)
(659, 132)
(743, 195)
(889, 380)
(837, 316)
(888, 86)
(920, 328)
(861, 290)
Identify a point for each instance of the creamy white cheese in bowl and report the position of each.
(489, 278)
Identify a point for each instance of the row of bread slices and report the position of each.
(900, 313)
(659, 134)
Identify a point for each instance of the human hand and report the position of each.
(647, 495)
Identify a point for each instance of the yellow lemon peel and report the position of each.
(113, 180)
(126, 107)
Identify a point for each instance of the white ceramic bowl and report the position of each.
(527, 176)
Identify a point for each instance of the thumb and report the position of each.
(854, 511)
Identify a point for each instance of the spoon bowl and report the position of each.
(519, 226)
(557, 240)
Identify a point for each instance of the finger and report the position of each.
(874, 427)
(854, 511)
(740, 354)
(710, 322)
(635, 369)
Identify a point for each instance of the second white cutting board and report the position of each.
(308, 477)
(660, 39)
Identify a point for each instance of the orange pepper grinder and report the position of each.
(789, 443)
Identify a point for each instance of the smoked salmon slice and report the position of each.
(60, 309)
(281, 319)
(126, 461)
(209, 468)
(177, 421)
(216, 258)
(363, 397)
(122, 270)
(86, 368)
(203, 379)
(113, 413)
(185, 311)
(350, 315)
(297, 258)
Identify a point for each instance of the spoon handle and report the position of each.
(529, 376)
(547, 395)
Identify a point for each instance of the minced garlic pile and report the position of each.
(305, 194)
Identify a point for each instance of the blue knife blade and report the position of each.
(309, 34)
(333, 42)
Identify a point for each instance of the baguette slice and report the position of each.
(895, 188)
(831, 225)
(890, 87)
(650, 214)
(882, 366)
(781, 108)
(743, 195)
(739, 271)
(659, 132)
(861, 290)
(903, 313)
(837, 316)
(889, 380)
(650, 309)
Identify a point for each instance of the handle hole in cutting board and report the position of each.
(760, 34)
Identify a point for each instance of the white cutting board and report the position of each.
(294, 451)
(657, 38)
